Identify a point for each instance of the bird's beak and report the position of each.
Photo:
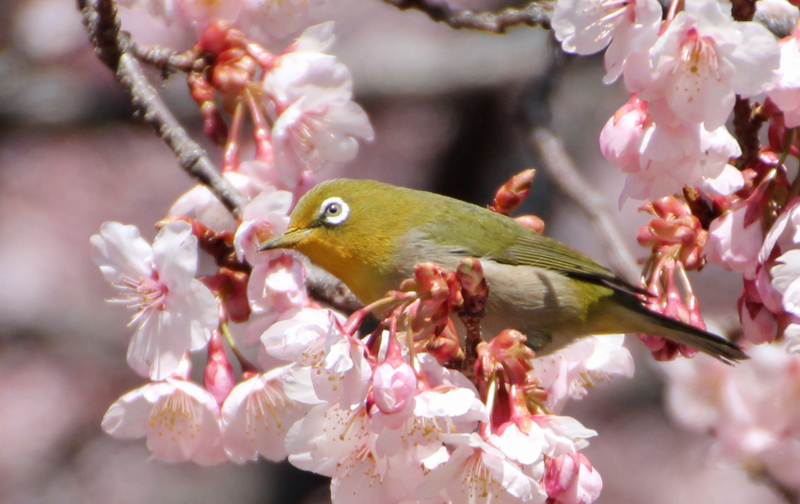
(287, 240)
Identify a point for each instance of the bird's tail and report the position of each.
(649, 322)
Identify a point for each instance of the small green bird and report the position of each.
(370, 235)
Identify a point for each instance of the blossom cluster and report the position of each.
(380, 414)
(397, 415)
(689, 71)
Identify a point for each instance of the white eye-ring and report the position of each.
(334, 211)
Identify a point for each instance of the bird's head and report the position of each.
(350, 228)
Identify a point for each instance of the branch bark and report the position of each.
(114, 48)
(535, 13)
(558, 164)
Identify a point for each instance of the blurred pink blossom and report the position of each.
(755, 429)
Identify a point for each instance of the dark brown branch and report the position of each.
(743, 10)
(535, 13)
(746, 127)
(113, 48)
(562, 171)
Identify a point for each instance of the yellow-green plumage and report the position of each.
(537, 285)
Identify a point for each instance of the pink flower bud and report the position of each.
(513, 193)
(218, 376)
(394, 384)
(570, 479)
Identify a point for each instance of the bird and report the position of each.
(370, 235)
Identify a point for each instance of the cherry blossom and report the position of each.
(175, 312)
(662, 153)
(786, 93)
(393, 386)
(734, 244)
(571, 479)
(277, 285)
(450, 405)
(257, 416)
(755, 429)
(316, 125)
(300, 336)
(180, 420)
(588, 26)
(699, 63)
(200, 204)
(477, 471)
(265, 216)
(566, 373)
(317, 131)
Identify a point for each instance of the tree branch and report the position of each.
(549, 148)
(535, 13)
(114, 49)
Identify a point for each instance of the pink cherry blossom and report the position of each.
(587, 26)
(450, 405)
(699, 63)
(326, 435)
(265, 216)
(299, 336)
(775, 286)
(315, 132)
(394, 384)
(277, 285)
(343, 375)
(564, 374)
(732, 244)
(571, 479)
(478, 472)
(200, 204)
(218, 376)
(316, 124)
(180, 420)
(175, 312)
(622, 135)
(256, 417)
(786, 93)
(662, 153)
(759, 324)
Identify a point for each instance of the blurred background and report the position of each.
(449, 110)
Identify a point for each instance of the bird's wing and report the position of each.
(543, 252)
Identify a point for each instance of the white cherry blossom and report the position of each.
(588, 26)
(256, 417)
(176, 313)
(786, 93)
(179, 418)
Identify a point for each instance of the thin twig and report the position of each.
(544, 143)
(164, 58)
(113, 48)
(536, 13)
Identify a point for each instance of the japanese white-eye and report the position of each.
(370, 236)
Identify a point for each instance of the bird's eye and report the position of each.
(334, 211)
